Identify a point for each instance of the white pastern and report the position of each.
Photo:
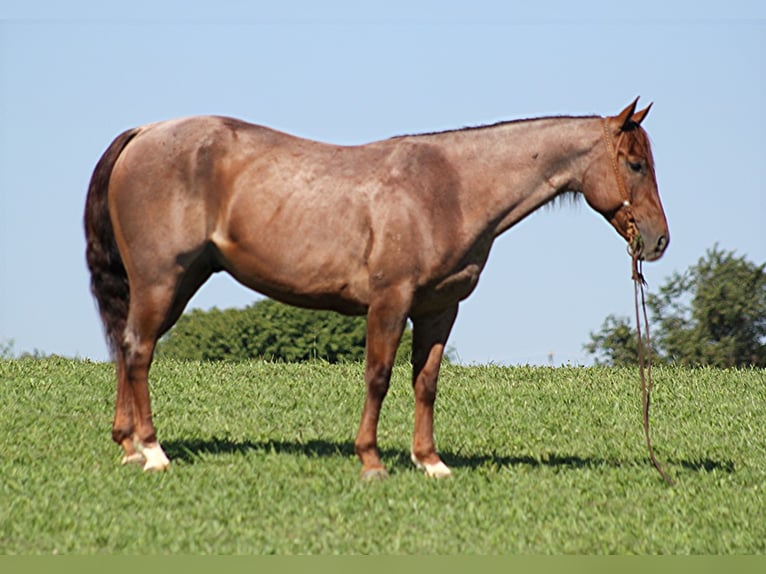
(438, 470)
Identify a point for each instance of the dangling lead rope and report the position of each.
(645, 363)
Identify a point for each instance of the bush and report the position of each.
(273, 331)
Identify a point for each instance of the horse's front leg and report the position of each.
(385, 323)
(428, 340)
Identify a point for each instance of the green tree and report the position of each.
(270, 330)
(615, 344)
(713, 314)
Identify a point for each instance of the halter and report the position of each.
(634, 236)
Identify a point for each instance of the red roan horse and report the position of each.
(394, 229)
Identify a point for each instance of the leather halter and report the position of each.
(634, 236)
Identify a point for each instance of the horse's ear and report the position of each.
(625, 118)
(638, 117)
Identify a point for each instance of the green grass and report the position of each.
(544, 460)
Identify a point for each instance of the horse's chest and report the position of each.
(449, 290)
(461, 283)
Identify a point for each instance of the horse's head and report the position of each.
(620, 184)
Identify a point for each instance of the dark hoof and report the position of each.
(374, 474)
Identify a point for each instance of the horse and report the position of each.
(395, 229)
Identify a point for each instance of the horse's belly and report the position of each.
(321, 279)
(337, 296)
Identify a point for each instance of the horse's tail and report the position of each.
(108, 278)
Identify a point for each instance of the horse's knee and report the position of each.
(425, 389)
(378, 378)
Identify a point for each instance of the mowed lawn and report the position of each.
(544, 460)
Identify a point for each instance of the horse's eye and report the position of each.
(636, 166)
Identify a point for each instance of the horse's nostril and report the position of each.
(662, 242)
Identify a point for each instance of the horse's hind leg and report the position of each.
(153, 310)
(122, 428)
(133, 427)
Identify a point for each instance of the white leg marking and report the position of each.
(438, 470)
(135, 458)
(155, 457)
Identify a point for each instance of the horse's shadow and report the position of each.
(192, 451)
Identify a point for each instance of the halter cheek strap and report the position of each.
(634, 237)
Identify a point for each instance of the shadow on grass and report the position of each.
(190, 451)
(574, 462)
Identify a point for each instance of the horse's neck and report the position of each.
(510, 170)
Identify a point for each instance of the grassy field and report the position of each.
(544, 460)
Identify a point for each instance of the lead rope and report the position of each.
(645, 362)
(634, 241)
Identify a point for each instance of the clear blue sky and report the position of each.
(74, 74)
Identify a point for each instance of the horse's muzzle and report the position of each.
(649, 248)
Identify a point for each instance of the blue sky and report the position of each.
(75, 74)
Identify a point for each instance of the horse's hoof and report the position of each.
(156, 467)
(432, 470)
(438, 470)
(155, 458)
(374, 474)
(134, 458)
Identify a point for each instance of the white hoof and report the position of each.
(437, 470)
(155, 458)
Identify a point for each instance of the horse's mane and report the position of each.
(494, 125)
(565, 198)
